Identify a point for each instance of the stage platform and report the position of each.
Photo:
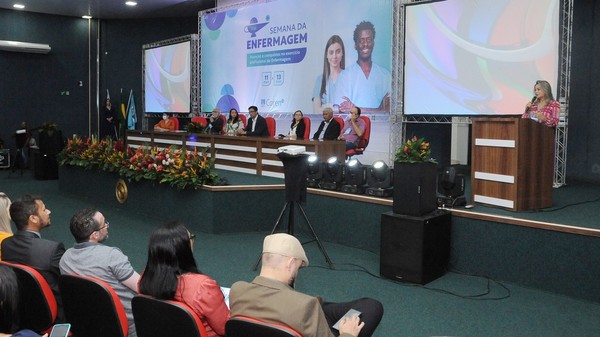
(553, 249)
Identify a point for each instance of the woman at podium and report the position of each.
(543, 108)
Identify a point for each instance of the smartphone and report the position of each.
(60, 330)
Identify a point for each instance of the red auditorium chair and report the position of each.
(92, 307)
(340, 120)
(244, 119)
(307, 124)
(271, 126)
(176, 121)
(243, 326)
(37, 304)
(156, 318)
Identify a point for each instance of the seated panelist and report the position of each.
(166, 124)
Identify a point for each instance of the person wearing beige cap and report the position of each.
(271, 296)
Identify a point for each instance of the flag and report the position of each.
(131, 115)
(122, 116)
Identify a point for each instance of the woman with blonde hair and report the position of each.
(5, 229)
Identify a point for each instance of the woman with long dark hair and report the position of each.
(172, 274)
(334, 62)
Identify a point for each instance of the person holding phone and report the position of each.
(272, 297)
(172, 274)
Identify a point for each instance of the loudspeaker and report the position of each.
(414, 188)
(415, 249)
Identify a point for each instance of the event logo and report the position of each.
(270, 103)
(254, 26)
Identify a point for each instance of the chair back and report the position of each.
(92, 307)
(271, 126)
(160, 318)
(307, 125)
(340, 120)
(200, 119)
(224, 122)
(37, 304)
(363, 141)
(176, 121)
(243, 326)
(244, 119)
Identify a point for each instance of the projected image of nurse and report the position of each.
(325, 94)
(365, 83)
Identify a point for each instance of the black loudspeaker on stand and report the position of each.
(296, 171)
(415, 249)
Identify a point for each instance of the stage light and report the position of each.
(315, 171)
(451, 188)
(354, 177)
(379, 180)
(332, 175)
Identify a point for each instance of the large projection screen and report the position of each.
(272, 55)
(478, 57)
(167, 77)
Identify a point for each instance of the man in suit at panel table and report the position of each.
(257, 125)
(329, 129)
(27, 247)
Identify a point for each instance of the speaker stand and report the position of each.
(291, 205)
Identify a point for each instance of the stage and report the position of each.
(553, 249)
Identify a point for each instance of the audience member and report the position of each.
(234, 122)
(329, 129)
(257, 125)
(271, 296)
(5, 229)
(89, 257)
(353, 130)
(30, 215)
(215, 123)
(9, 302)
(166, 124)
(172, 274)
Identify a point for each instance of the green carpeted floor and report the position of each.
(454, 305)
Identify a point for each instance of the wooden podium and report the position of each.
(512, 163)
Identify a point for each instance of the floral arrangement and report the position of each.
(195, 127)
(177, 167)
(415, 150)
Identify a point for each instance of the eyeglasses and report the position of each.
(106, 225)
(192, 236)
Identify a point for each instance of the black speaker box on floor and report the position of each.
(415, 249)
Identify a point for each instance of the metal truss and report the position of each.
(564, 89)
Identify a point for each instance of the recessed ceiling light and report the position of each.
(18, 6)
(86, 17)
(131, 3)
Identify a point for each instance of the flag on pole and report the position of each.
(122, 116)
(131, 115)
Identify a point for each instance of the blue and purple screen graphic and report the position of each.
(478, 57)
(167, 78)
